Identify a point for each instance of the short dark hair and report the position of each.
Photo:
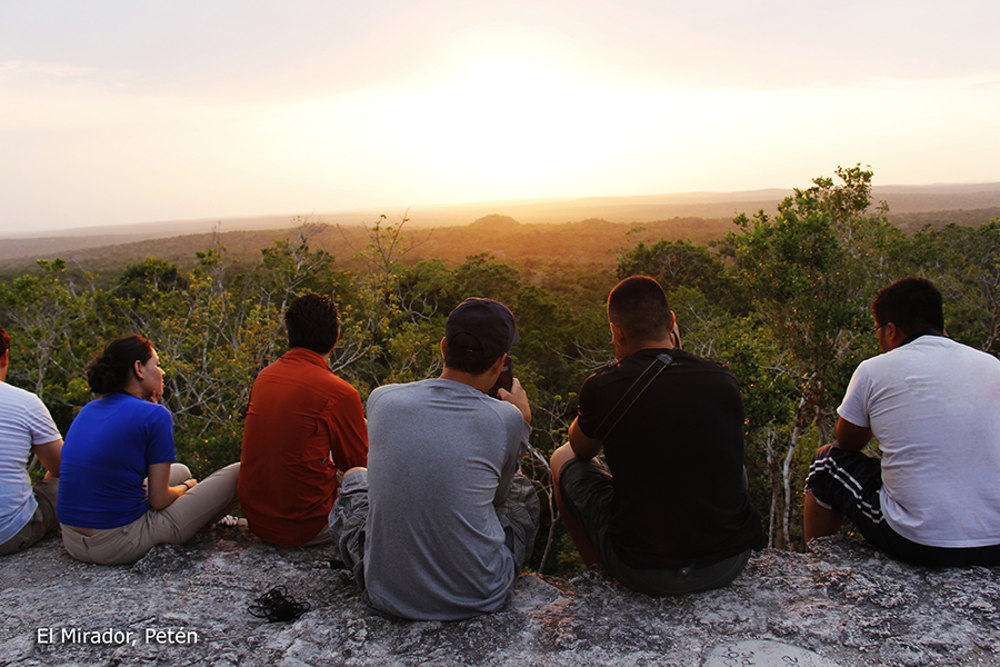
(109, 373)
(312, 323)
(912, 304)
(462, 352)
(4, 341)
(639, 306)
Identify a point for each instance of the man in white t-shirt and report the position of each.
(934, 406)
(27, 513)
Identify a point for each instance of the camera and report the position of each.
(506, 379)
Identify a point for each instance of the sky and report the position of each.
(116, 112)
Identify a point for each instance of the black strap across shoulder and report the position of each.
(628, 399)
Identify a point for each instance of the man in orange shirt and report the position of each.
(302, 425)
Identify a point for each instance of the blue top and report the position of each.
(106, 458)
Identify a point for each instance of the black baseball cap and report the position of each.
(489, 322)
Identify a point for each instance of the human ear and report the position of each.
(498, 364)
(617, 333)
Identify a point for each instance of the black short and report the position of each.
(849, 483)
(586, 488)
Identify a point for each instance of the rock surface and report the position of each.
(842, 604)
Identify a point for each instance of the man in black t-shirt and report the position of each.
(672, 515)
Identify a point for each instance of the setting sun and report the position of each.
(399, 105)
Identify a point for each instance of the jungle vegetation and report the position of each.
(782, 299)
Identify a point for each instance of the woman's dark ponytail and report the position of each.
(109, 373)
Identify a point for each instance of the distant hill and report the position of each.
(917, 220)
(518, 232)
(590, 242)
(495, 222)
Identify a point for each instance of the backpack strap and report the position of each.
(628, 399)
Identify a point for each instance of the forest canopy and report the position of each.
(783, 299)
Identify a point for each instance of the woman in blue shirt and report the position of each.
(120, 491)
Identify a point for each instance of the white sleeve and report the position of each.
(854, 407)
(39, 422)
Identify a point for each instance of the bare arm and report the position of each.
(851, 437)
(161, 494)
(50, 454)
(583, 446)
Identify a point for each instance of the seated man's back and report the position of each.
(440, 525)
(303, 423)
(932, 497)
(442, 452)
(670, 513)
(677, 460)
(934, 406)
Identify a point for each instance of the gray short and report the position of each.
(41, 523)
(519, 516)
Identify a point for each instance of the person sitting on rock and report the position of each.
(933, 404)
(672, 515)
(440, 524)
(27, 513)
(303, 425)
(121, 492)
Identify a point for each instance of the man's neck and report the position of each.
(929, 331)
(325, 356)
(480, 382)
(628, 351)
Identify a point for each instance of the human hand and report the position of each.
(156, 395)
(518, 398)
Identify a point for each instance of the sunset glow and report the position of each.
(188, 112)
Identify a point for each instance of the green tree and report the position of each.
(55, 325)
(810, 272)
(682, 264)
(482, 276)
(964, 262)
(150, 274)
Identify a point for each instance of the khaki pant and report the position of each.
(206, 503)
(41, 523)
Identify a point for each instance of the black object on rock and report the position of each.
(277, 605)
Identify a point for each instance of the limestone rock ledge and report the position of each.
(842, 604)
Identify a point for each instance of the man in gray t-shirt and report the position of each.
(440, 523)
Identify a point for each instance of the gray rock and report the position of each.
(842, 604)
